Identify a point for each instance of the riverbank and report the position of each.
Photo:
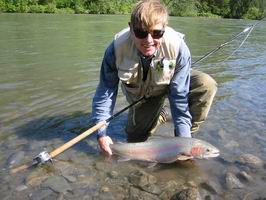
(192, 8)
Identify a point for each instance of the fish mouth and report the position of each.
(212, 154)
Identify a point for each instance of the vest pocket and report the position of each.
(128, 76)
(161, 75)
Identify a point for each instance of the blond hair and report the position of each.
(148, 13)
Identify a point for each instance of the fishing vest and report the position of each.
(161, 70)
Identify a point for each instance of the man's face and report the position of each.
(147, 41)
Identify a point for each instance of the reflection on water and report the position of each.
(49, 67)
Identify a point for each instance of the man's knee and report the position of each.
(202, 87)
(209, 83)
(205, 82)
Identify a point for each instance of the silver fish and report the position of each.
(165, 150)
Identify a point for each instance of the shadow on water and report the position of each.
(57, 130)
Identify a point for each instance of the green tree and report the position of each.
(239, 8)
(253, 9)
(181, 7)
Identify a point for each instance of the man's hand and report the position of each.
(104, 143)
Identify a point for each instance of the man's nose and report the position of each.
(149, 37)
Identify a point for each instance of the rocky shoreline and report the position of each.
(107, 179)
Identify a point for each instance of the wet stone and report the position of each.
(21, 188)
(169, 189)
(57, 184)
(153, 189)
(250, 161)
(222, 134)
(100, 166)
(208, 197)
(232, 145)
(70, 178)
(137, 194)
(245, 176)
(79, 190)
(42, 194)
(141, 178)
(105, 196)
(263, 177)
(134, 193)
(145, 182)
(212, 187)
(187, 194)
(36, 177)
(113, 174)
(15, 159)
(232, 182)
(105, 189)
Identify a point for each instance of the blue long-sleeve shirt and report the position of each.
(106, 92)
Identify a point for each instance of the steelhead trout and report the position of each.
(165, 150)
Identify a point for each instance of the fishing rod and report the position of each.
(44, 156)
(244, 40)
(247, 30)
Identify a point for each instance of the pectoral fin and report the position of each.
(184, 157)
(123, 159)
(152, 164)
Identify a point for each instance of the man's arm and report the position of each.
(106, 92)
(178, 93)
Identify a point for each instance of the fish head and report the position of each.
(204, 150)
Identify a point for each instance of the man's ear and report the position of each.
(129, 24)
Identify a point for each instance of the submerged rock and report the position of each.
(141, 178)
(15, 159)
(232, 144)
(212, 187)
(232, 182)
(43, 194)
(245, 176)
(187, 194)
(57, 184)
(36, 177)
(21, 188)
(145, 182)
(250, 161)
(169, 189)
(137, 194)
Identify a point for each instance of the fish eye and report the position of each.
(208, 150)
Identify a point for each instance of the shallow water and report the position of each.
(49, 68)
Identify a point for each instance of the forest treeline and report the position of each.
(250, 9)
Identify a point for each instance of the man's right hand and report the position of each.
(104, 143)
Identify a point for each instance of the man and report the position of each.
(152, 60)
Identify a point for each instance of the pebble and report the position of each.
(187, 194)
(113, 174)
(21, 188)
(105, 189)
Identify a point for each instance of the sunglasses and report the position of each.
(141, 34)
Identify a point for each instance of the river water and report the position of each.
(49, 68)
